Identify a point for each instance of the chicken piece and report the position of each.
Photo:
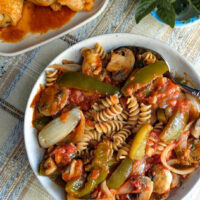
(77, 5)
(10, 12)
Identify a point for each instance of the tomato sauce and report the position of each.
(36, 19)
(163, 92)
(64, 117)
(79, 98)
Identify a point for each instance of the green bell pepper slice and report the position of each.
(120, 175)
(161, 115)
(74, 185)
(78, 80)
(137, 150)
(174, 126)
(40, 123)
(144, 76)
(102, 157)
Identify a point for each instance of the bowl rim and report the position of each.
(92, 41)
(179, 23)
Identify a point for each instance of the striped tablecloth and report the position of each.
(18, 74)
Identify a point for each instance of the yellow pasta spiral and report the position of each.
(120, 137)
(133, 108)
(158, 127)
(144, 116)
(123, 151)
(51, 77)
(106, 103)
(108, 113)
(87, 137)
(101, 51)
(148, 58)
(122, 117)
(109, 101)
(154, 146)
(108, 127)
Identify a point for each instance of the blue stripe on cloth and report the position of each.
(21, 185)
(11, 142)
(16, 168)
(20, 74)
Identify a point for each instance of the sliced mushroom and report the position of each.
(162, 179)
(147, 188)
(196, 129)
(121, 64)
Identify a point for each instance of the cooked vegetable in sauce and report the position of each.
(113, 129)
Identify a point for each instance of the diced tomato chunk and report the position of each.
(64, 154)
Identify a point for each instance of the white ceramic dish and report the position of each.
(181, 65)
(32, 41)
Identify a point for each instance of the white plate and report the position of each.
(32, 41)
(35, 153)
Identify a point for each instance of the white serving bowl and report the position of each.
(110, 41)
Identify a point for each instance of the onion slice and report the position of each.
(67, 67)
(164, 156)
(58, 129)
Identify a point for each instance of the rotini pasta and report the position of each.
(105, 103)
(101, 51)
(148, 58)
(158, 127)
(88, 136)
(123, 151)
(122, 117)
(119, 138)
(51, 77)
(108, 113)
(134, 110)
(144, 116)
(108, 127)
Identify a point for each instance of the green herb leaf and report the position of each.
(180, 5)
(144, 7)
(196, 4)
(166, 12)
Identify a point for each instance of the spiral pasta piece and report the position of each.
(144, 116)
(120, 137)
(122, 117)
(154, 145)
(148, 58)
(51, 77)
(110, 145)
(109, 101)
(108, 113)
(158, 127)
(133, 108)
(106, 103)
(87, 137)
(101, 51)
(123, 151)
(109, 126)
